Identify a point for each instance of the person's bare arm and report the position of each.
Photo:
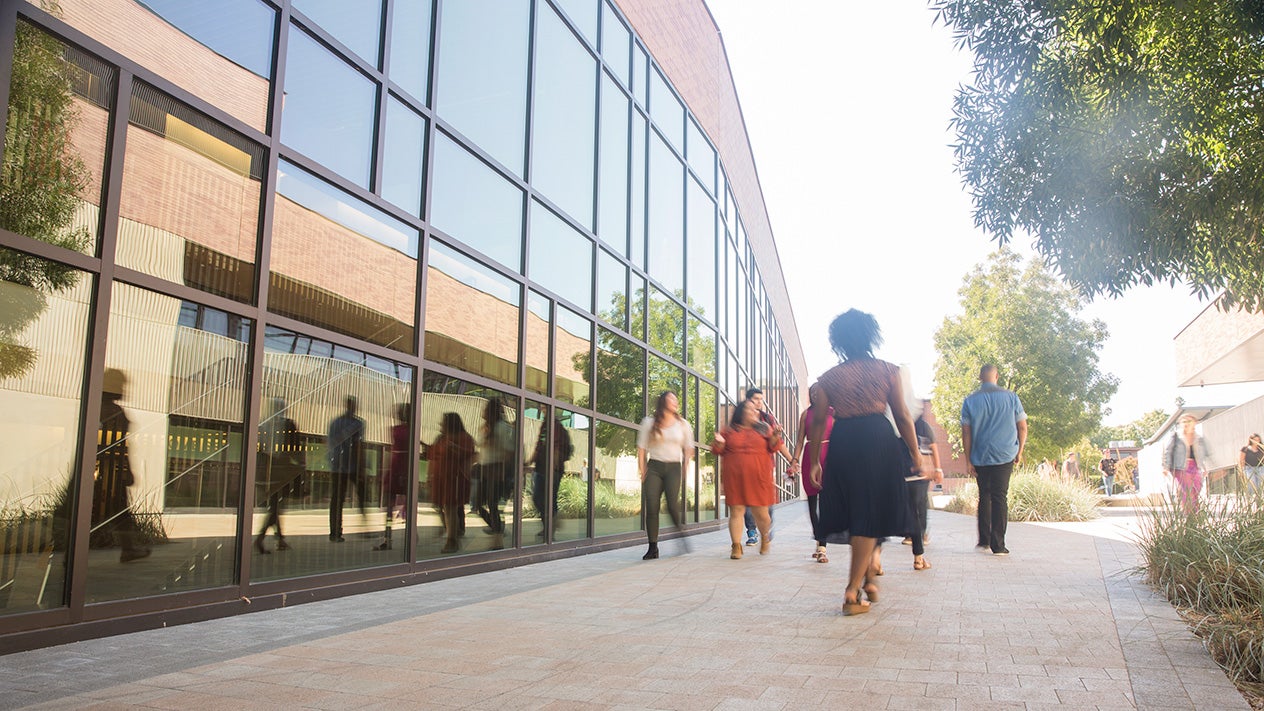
(820, 410)
(641, 462)
(1022, 440)
(934, 458)
(965, 444)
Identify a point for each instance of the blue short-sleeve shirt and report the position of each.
(992, 413)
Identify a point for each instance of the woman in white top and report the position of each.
(664, 448)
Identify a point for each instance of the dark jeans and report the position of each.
(993, 504)
(748, 519)
(540, 496)
(661, 478)
(338, 497)
(918, 491)
(814, 515)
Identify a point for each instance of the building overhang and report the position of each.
(1220, 347)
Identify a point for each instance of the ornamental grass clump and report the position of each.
(1033, 498)
(1211, 566)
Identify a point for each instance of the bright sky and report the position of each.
(847, 106)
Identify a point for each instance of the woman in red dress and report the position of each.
(745, 449)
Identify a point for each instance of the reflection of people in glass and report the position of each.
(345, 444)
(451, 456)
(395, 483)
(280, 465)
(562, 451)
(664, 448)
(495, 459)
(111, 507)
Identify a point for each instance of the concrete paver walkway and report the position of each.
(1056, 624)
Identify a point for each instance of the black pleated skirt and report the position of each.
(863, 492)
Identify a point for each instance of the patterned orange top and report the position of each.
(858, 387)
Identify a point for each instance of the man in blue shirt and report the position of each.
(994, 432)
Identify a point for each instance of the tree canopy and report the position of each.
(1024, 321)
(1137, 431)
(1127, 138)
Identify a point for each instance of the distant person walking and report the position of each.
(745, 448)
(1185, 458)
(664, 449)
(1108, 467)
(1251, 461)
(993, 432)
(807, 449)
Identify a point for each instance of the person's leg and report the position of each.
(737, 515)
(984, 480)
(671, 489)
(763, 522)
(557, 485)
(923, 505)
(653, 489)
(999, 476)
(336, 497)
(749, 519)
(916, 495)
(814, 515)
(540, 497)
(1255, 475)
(861, 561)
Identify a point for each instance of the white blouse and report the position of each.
(669, 445)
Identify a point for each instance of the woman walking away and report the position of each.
(664, 448)
(1184, 459)
(806, 450)
(745, 449)
(1251, 460)
(864, 496)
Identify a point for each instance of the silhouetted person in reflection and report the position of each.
(395, 483)
(451, 457)
(540, 495)
(496, 458)
(280, 464)
(111, 505)
(345, 444)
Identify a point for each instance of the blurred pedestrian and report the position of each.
(1185, 458)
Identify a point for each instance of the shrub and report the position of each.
(1032, 498)
(1211, 565)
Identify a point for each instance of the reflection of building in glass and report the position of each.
(262, 291)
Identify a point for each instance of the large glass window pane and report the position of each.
(410, 46)
(403, 156)
(636, 215)
(572, 492)
(239, 30)
(620, 377)
(341, 264)
(612, 217)
(706, 470)
(612, 290)
(616, 481)
(701, 347)
(336, 443)
(329, 109)
(616, 44)
(701, 156)
(220, 52)
(169, 449)
(664, 376)
(640, 74)
(667, 325)
(571, 369)
(583, 14)
(457, 287)
(355, 23)
(700, 252)
(565, 118)
(537, 343)
(481, 78)
(561, 258)
(667, 216)
(475, 204)
(470, 455)
(55, 139)
(636, 306)
(43, 330)
(707, 424)
(666, 110)
(189, 207)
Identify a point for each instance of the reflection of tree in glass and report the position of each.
(40, 182)
(620, 369)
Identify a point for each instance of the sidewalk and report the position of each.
(1056, 624)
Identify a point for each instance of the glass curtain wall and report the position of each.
(303, 219)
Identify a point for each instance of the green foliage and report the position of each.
(572, 501)
(1032, 498)
(1024, 322)
(1137, 431)
(1212, 564)
(1125, 137)
(40, 181)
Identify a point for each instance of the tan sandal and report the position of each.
(822, 558)
(858, 607)
(922, 564)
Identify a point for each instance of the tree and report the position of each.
(1126, 137)
(1138, 430)
(40, 182)
(1024, 322)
